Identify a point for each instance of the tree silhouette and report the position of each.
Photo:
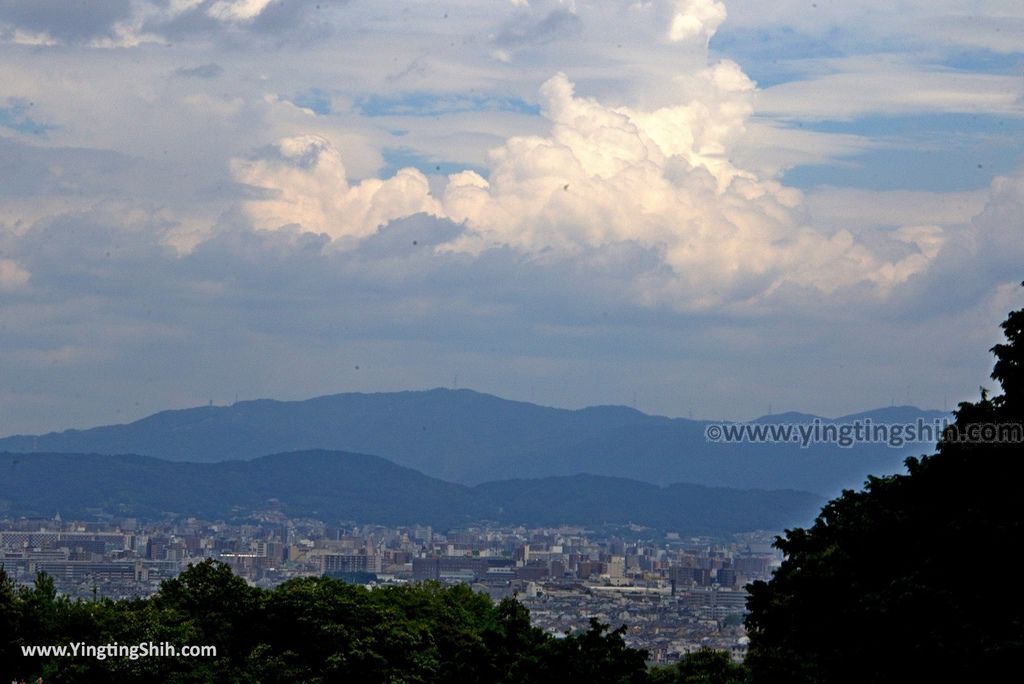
(908, 579)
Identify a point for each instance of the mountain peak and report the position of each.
(469, 437)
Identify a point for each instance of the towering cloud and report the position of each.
(662, 179)
(600, 202)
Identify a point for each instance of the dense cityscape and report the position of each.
(676, 595)
(519, 342)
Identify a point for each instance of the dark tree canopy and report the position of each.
(313, 629)
(908, 579)
(705, 666)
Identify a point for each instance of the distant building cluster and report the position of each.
(675, 594)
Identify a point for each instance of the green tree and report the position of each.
(594, 655)
(515, 645)
(314, 630)
(908, 579)
(209, 605)
(9, 625)
(706, 666)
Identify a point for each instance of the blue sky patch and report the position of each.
(933, 170)
(433, 104)
(396, 158)
(15, 116)
(317, 100)
(938, 126)
(771, 57)
(985, 61)
(973, 147)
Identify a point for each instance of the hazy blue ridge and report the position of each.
(468, 437)
(339, 486)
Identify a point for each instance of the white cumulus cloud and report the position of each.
(304, 182)
(237, 10)
(661, 178)
(696, 19)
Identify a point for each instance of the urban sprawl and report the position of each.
(675, 594)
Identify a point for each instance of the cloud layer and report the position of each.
(602, 175)
(566, 201)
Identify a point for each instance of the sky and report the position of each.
(698, 208)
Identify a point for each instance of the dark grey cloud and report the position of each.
(66, 20)
(300, 289)
(192, 21)
(92, 254)
(506, 289)
(987, 252)
(280, 19)
(210, 70)
(283, 15)
(113, 313)
(110, 313)
(29, 170)
(526, 29)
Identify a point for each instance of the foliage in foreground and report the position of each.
(705, 666)
(305, 630)
(909, 579)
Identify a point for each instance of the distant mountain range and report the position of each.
(467, 437)
(337, 486)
